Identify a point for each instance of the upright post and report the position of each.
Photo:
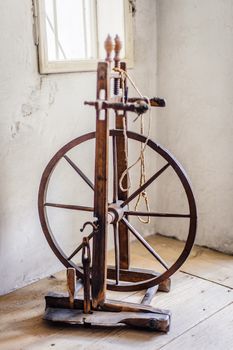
(99, 263)
(122, 162)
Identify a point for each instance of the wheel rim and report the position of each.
(185, 184)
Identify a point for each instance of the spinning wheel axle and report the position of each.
(138, 107)
(116, 212)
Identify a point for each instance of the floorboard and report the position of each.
(200, 306)
(191, 301)
(215, 333)
(203, 262)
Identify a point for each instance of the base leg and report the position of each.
(111, 313)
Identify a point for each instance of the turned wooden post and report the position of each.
(71, 285)
(108, 45)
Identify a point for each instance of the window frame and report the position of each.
(68, 66)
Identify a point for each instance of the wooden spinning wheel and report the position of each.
(94, 275)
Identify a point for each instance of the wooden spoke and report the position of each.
(145, 185)
(59, 250)
(80, 246)
(79, 171)
(117, 252)
(115, 174)
(159, 215)
(144, 243)
(69, 206)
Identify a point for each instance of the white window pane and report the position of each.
(72, 33)
(69, 30)
(111, 21)
(50, 30)
(51, 42)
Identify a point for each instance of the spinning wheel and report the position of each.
(116, 212)
(120, 210)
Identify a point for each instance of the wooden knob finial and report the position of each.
(117, 49)
(108, 45)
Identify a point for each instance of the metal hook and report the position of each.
(94, 225)
(86, 254)
(86, 260)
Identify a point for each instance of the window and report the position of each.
(71, 33)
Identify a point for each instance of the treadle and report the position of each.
(135, 275)
(147, 320)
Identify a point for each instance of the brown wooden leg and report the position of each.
(71, 285)
(165, 286)
(99, 264)
(121, 166)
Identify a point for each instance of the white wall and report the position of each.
(38, 115)
(195, 71)
(41, 113)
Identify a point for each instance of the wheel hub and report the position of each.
(116, 212)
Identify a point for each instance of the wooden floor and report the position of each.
(201, 302)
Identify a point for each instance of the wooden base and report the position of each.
(69, 308)
(150, 321)
(111, 313)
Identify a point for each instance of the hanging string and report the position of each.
(143, 194)
(141, 158)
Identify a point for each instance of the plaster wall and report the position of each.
(195, 75)
(39, 114)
